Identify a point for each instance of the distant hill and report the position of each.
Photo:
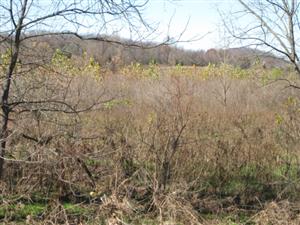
(245, 57)
(117, 55)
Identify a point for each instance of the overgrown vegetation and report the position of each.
(161, 145)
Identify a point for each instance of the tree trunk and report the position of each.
(5, 107)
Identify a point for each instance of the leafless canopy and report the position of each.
(40, 18)
(271, 24)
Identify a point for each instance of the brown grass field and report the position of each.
(153, 145)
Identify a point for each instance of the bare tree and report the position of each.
(270, 24)
(24, 20)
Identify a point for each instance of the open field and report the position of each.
(120, 112)
(152, 145)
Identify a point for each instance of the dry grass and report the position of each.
(171, 148)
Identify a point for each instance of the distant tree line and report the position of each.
(115, 55)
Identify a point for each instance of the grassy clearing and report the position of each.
(21, 211)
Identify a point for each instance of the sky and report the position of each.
(197, 18)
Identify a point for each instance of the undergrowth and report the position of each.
(179, 145)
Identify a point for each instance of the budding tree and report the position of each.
(25, 20)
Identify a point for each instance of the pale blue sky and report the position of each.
(196, 17)
(203, 17)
